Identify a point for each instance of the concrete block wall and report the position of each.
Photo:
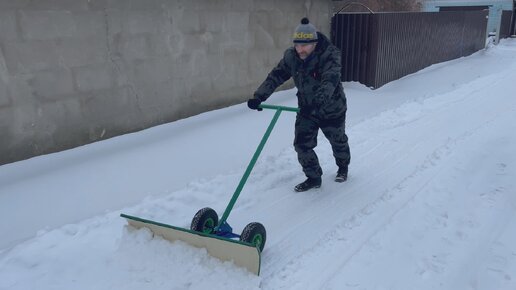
(74, 72)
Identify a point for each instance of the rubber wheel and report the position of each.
(254, 234)
(205, 221)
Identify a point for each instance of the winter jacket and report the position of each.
(317, 78)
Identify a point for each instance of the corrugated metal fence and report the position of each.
(379, 48)
(505, 25)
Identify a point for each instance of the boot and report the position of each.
(309, 183)
(342, 175)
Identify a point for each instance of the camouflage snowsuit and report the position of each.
(321, 101)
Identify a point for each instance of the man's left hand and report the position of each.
(254, 104)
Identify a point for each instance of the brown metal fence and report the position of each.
(513, 21)
(505, 26)
(379, 48)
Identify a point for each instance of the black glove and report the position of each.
(254, 104)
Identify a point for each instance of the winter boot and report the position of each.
(342, 175)
(309, 183)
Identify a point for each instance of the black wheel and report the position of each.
(205, 221)
(254, 233)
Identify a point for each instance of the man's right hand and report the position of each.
(254, 104)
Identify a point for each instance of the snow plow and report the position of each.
(214, 234)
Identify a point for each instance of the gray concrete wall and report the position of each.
(77, 71)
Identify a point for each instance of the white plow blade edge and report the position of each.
(242, 254)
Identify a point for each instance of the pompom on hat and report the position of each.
(305, 32)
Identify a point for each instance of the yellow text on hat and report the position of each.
(303, 35)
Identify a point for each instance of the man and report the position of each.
(314, 64)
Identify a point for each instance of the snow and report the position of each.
(430, 202)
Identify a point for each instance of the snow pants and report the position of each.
(305, 140)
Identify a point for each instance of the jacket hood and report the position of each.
(322, 42)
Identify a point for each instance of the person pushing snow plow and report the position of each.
(322, 104)
(315, 65)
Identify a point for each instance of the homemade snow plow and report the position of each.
(216, 236)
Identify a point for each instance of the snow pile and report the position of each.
(102, 253)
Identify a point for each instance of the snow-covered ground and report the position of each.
(430, 202)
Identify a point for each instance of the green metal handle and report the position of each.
(282, 108)
(247, 172)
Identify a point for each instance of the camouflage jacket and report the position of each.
(317, 79)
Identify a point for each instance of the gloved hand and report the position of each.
(254, 104)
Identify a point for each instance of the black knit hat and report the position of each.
(305, 32)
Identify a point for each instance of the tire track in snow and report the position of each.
(457, 222)
(330, 245)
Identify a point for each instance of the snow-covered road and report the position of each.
(430, 202)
